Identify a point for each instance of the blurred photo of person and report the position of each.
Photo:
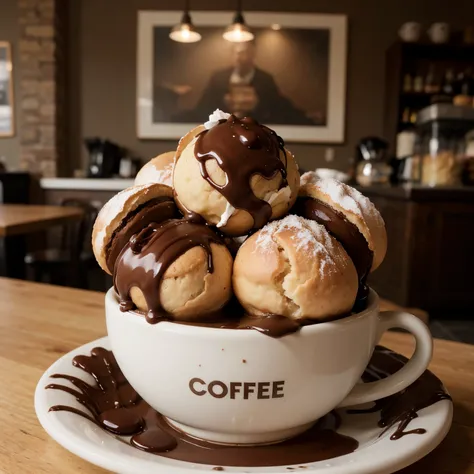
(245, 89)
(279, 78)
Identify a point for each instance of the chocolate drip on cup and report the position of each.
(114, 405)
(145, 259)
(242, 148)
(401, 408)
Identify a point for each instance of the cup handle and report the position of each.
(412, 370)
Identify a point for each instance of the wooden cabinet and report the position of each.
(430, 258)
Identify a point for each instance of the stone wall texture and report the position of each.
(42, 85)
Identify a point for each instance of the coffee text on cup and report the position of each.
(233, 390)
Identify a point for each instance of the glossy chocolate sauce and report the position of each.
(155, 210)
(339, 227)
(242, 148)
(233, 316)
(400, 409)
(145, 259)
(115, 406)
(347, 234)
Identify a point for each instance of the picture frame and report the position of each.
(7, 103)
(157, 68)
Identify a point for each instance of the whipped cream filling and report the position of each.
(215, 117)
(226, 215)
(272, 196)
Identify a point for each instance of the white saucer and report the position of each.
(374, 455)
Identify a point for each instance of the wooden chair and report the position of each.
(69, 263)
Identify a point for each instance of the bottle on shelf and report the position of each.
(406, 115)
(431, 84)
(418, 82)
(464, 89)
(447, 87)
(413, 115)
(446, 93)
(407, 82)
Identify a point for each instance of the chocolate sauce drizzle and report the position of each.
(233, 316)
(113, 403)
(145, 259)
(349, 236)
(117, 408)
(155, 210)
(242, 148)
(401, 408)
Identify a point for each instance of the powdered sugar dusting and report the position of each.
(151, 174)
(310, 237)
(349, 199)
(310, 177)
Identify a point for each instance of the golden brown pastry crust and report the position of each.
(194, 193)
(188, 291)
(294, 268)
(116, 210)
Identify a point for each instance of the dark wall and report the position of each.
(103, 64)
(9, 31)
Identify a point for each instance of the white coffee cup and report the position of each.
(439, 32)
(241, 387)
(410, 31)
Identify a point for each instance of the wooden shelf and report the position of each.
(418, 94)
(435, 52)
(414, 58)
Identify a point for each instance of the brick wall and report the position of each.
(42, 86)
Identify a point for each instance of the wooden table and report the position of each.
(17, 220)
(39, 323)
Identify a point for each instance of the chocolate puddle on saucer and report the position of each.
(116, 407)
(400, 409)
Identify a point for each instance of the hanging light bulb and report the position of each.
(238, 31)
(185, 32)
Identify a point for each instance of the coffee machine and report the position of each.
(372, 162)
(104, 158)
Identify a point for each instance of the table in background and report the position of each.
(18, 220)
(40, 323)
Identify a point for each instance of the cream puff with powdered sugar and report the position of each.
(293, 267)
(348, 215)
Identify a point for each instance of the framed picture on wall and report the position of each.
(7, 119)
(291, 77)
